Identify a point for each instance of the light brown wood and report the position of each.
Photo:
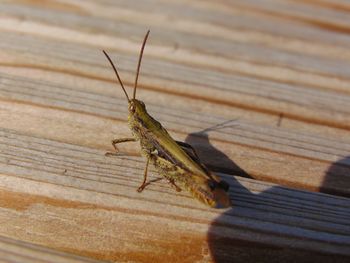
(243, 147)
(74, 198)
(259, 88)
(18, 251)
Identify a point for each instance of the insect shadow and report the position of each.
(235, 248)
(214, 159)
(338, 172)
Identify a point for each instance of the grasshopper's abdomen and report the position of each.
(205, 190)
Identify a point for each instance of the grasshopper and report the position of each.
(176, 161)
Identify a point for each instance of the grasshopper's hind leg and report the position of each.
(115, 142)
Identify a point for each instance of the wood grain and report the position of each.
(240, 147)
(259, 88)
(52, 189)
(18, 251)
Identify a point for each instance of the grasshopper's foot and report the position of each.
(113, 154)
(172, 182)
(143, 186)
(178, 189)
(140, 189)
(116, 150)
(115, 146)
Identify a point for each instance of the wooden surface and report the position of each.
(261, 89)
(19, 251)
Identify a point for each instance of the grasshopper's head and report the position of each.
(136, 107)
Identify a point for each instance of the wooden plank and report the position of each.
(51, 189)
(257, 100)
(245, 148)
(18, 251)
(331, 75)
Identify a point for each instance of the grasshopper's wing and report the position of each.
(193, 155)
(169, 148)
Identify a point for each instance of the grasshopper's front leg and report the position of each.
(116, 141)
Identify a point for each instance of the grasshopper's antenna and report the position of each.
(116, 73)
(139, 64)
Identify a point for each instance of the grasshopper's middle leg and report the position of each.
(144, 183)
(116, 141)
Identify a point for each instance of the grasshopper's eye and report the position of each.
(132, 108)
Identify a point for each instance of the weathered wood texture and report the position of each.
(260, 88)
(76, 199)
(19, 251)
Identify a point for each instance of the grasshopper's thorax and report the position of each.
(139, 120)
